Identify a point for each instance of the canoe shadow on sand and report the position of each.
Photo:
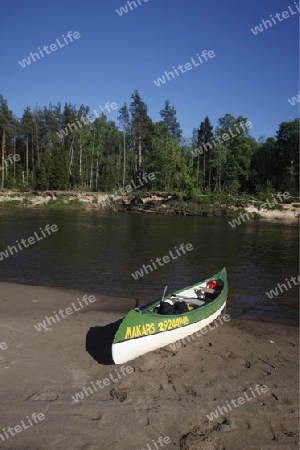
(99, 342)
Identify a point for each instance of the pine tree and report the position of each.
(170, 121)
(6, 124)
(205, 136)
(27, 127)
(124, 120)
(142, 128)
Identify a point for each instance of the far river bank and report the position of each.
(155, 203)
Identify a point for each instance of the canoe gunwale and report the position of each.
(222, 275)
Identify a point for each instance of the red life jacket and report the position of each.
(212, 284)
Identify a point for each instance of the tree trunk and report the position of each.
(27, 158)
(32, 156)
(14, 159)
(97, 172)
(92, 165)
(37, 141)
(140, 155)
(124, 158)
(80, 159)
(2, 158)
(204, 170)
(71, 157)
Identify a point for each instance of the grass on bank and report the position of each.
(11, 202)
(71, 204)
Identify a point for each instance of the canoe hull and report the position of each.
(125, 351)
(140, 333)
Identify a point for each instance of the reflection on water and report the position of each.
(97, 252)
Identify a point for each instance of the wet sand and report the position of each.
(167, 393)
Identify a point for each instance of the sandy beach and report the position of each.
(161, 400)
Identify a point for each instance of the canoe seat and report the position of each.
(192, 300)
(196, 301)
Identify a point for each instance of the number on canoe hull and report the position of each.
(169, 324)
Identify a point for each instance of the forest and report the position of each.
(61, 148)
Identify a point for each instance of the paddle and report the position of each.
(136, 308)
(164, 293)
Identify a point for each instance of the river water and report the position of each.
(97, 252)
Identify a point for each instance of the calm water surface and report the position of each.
(97, 252)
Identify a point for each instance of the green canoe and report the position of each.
(145, 330)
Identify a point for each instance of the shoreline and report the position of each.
(42, 372)
(152, 203)
(114, 304)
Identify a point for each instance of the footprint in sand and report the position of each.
(119, 394)
(194, 440)
(141, 408)
(44, 396)
(231, 425)
(90, 447)
(80, 377)
(90, 412)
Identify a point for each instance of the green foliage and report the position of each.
(27, 201)
(276, 161)
(265, 191)
(11, 203)
(42, 175)
(191, 193)
(72, 204)
(273, 207)
(60, 148)
(167, 161)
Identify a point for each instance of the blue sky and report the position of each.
(250, 75)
